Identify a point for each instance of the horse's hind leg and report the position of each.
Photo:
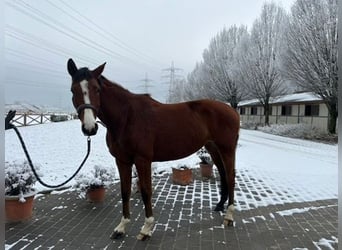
(125, 171)
(145, 179)
(228, 159)
(216, 157)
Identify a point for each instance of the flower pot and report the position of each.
(17, 210)
(96, 194)
(182, 176)
(206, 170)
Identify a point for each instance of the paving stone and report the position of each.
(184, 220)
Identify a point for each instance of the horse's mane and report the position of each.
(120, 88)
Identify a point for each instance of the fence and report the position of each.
(28, 119)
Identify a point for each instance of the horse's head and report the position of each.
(85, 90)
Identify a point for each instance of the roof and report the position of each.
(292, 98)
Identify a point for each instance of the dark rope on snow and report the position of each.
(9, 126)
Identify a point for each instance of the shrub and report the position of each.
(204, 156)
(100, 176)
(303, 131)
(19, 179)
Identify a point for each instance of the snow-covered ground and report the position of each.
(284, 170)
(276, 169)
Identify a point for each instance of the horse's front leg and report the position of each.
(125, 171)
(145, 179)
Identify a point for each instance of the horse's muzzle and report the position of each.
(90, 132)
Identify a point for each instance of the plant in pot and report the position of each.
(206, 164)
(19, 191)
(182, 175)
(92, 185)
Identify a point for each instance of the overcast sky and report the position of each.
(135, 38)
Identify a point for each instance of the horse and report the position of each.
(141, 130)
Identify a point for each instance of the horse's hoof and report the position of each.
(219, 208)
(143, 237)
(117, 235)
(228, 223)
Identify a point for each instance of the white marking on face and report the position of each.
(88, 118)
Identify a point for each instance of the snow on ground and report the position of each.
(270, 169)
(280, 169)
(328, 244)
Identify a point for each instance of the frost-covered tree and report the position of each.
(197, 84)
(259, 57)
(219, 63)
(310, 58)
(215, 76)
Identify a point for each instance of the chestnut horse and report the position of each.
(141, 130)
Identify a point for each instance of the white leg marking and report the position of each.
(89, 119)
(147, 228)
(229, 214)
(122, 226)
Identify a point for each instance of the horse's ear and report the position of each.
(72, 69)
(98, 71)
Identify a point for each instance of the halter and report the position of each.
(85, 106)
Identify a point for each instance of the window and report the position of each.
(242, 111)
(254, 110)
(312, 110)
(286, 110)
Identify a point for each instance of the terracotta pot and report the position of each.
(96, 194)
(19, 211)
(182, 176)
(206, 170)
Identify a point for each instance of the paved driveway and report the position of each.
(184, 220)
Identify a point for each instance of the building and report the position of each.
(305, 108)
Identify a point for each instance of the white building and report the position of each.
(306, 108)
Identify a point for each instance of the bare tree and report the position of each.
(310, 58)
(197, 84)
(219, 63)
(214, 77)
(259, 57)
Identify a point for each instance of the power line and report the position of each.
(109, 36)
(29, 83)
(47, 20)
(44, 44)
(37, 69)
(65, 30)
(30, 57)
(41, 61)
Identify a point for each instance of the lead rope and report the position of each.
(34, 171)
